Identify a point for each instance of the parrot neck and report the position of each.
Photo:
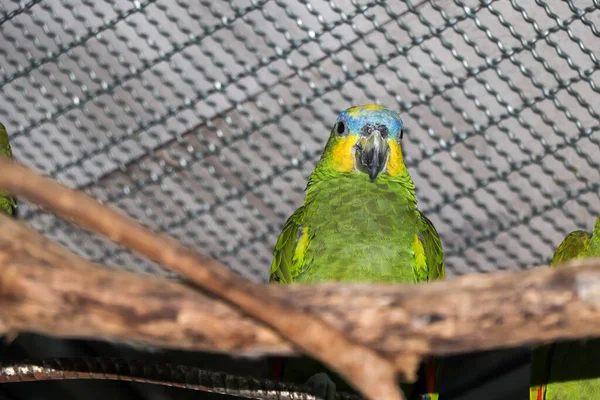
(322, 180)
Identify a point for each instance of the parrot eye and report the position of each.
(341, 128)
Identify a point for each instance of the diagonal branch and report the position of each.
(369, 372)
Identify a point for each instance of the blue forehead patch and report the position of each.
(356, 117)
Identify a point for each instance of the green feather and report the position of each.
(8, 204)
(360, 239)
(434, 252)
(569, 369)
(351, 229)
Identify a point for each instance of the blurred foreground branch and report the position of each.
(44, 288)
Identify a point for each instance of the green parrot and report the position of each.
(359, 223)
(568, 369)
(8, 204)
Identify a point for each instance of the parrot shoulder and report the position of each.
(288, 255)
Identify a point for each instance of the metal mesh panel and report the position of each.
(204, 119)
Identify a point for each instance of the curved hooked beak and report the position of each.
(371, 152)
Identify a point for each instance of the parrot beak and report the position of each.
(371, 151)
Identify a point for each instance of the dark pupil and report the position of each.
(340, 128)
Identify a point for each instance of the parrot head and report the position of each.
(365, 140)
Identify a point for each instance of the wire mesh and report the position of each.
(204, 119)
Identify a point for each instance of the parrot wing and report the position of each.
(284, 268)
(434, 252)
(434, 256)
(575, 245)
(286, 263)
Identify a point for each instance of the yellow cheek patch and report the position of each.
(395, 165)
(342, 157)
(356, 111)
(420, 259)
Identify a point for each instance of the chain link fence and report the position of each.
(203, 119)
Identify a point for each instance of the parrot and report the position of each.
(8, 204)
(568, 369)
(359, 223)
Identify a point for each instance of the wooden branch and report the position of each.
(373, 375)
(44, 288)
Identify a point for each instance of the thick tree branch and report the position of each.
(44, 288)
(373, 375)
